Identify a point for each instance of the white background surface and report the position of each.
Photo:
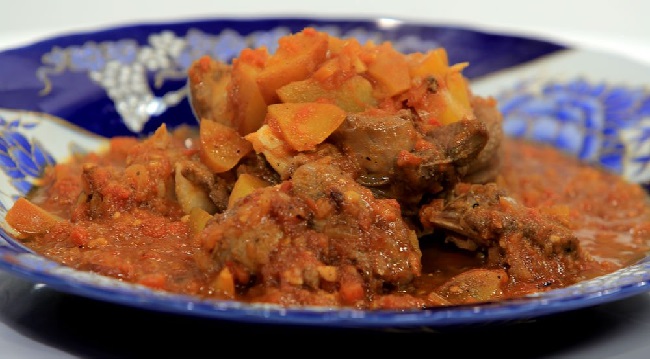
(621, 26)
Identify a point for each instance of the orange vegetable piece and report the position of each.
(390, 70)
(198, 218)
(457, 99)
(244, 185)
(224, 283)
(433, 63)
(28, 218)
(475, 285)
(221, 147)
(296, 58)
(305, 125)
(245, 97)
(353, 95)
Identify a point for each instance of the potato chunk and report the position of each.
(390, 70)
(278, 154)
(447, 96)
(221, 147)
(28, 218)
(353, 95)
(305, 125)
(297, 58)
(475, 285)
(244, 185)
(198, 218)
(433, 63)
(246, 100)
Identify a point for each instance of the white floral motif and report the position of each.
(122, 68)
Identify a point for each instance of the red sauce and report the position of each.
(385, 191)
(152, 244)
(609, 215)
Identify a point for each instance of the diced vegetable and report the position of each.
(344, 61)
(390, 70)
(197, 220)
(277, 153)
(296, 58)
(305, 125)
(221, 147)
(456, 99)
(28, 218)
(433, 63)
(446, 98)
(244, 185)
(353, 95)
(189, 194)
(248, 105)
(224, 283)
(475, 285)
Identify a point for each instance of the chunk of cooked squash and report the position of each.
(305, 125)
(221, 147)
(457, 98)
(447, 95)
(389, 69)
(434, 63)
(198, 218)
(296, 58)
(28, 218)
(353, 95)
(277, 153)
(475, 285)
(246, 100)
(245, 184)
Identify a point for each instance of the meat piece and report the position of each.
(256, 165)
(216, 187)
(397, 160)
(374, 140)
(443, 160)
(145, 180)
(397, 155)
(208, 79)
(532, 247)
(485, 167)
(320, 232)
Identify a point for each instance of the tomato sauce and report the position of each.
(608, 215)
(156, 248)
(336, 173)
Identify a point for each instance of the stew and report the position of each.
(335, 173)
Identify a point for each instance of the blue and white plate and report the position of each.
(69, 94)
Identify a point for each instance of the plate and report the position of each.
(68, 94)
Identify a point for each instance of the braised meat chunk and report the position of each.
(533, 247)
(487, 164)
(396, 159)
(319, 237)
(207, 80)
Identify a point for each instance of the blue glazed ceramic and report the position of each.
(68, 94)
